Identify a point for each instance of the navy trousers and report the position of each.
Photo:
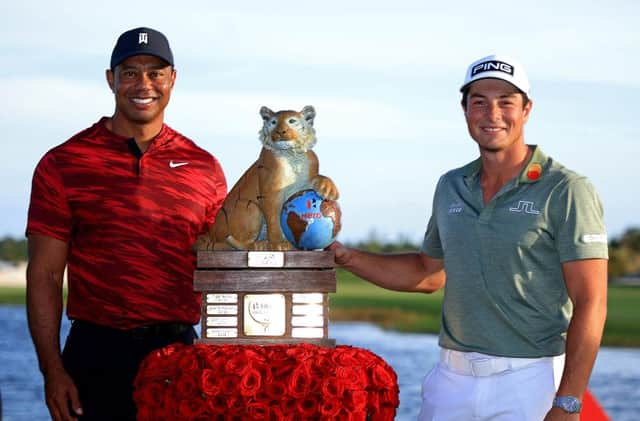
(103, 363)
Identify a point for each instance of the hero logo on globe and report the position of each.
(492, 65)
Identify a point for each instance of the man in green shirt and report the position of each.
(519, 245)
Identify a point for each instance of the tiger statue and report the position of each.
(250, 215)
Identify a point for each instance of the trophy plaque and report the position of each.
(265, 297)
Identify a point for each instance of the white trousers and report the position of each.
(469, 386)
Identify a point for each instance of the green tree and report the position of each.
(12, 250)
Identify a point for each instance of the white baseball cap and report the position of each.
(497, 67)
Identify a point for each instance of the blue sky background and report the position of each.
(383, 77)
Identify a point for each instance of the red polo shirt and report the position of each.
(130, 220)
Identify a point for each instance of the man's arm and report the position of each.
(586, 282)
(47, 260)
(412, 272)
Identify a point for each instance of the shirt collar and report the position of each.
(164, 136)
(531, 173)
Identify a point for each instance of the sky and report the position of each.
(382, 76)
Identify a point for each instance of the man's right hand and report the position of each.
(341, 252)
(62, 396)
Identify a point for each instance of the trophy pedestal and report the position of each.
(265, 298)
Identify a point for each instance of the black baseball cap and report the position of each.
(141, 41)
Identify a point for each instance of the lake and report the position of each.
(615, 381)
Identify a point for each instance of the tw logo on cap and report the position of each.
(143, 38)
(492, 65)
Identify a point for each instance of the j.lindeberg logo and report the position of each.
(143, 38)
(176, 164)
(492, 65)
(526, 207)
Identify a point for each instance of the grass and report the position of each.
(623, 323)
(403, 311)
(412, 312)
(12, 295)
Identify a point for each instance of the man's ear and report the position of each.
(110, 79)
(173, 77)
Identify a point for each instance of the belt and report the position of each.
(140, 332)
(480, 365)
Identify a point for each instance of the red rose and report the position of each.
(191, 408)
(217, 404)
(345, 356)
(356, 400)
(187, 363)
(332, 388)
(299, 382)
(186, 386)
(258, 411)
(304, 351)
(382, 376)
(250, 383)
(374, 401)
(147, 391)
(274, 389)
(235, 405)
(352, 378)
(307, 407)
(357, 416)
(288, 404)
(330, 408)
(276, 413)
(389, 397)
(209, 382)
(237, 364)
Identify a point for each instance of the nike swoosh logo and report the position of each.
(176, 164)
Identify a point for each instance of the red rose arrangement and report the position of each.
(276, 382)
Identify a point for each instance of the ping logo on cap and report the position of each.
(492, 65)
(143, 38)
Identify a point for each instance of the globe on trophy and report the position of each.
(309, 221)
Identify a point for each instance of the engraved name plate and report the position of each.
(222, 298)
(307, 321)
(308, 298)
(264, 315)
(222, 333)
(222, 309)
(307, 332)
(222, 321)
(307, 309)
(265, 259)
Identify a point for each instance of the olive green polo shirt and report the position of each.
(505, 293)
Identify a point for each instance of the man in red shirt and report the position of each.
(120, 205)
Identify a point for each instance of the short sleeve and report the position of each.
(431, 244)
(49, 212)
(578, 218)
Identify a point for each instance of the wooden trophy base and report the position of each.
(265, 298)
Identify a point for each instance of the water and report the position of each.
(615, 380)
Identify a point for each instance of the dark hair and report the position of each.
(465, 93)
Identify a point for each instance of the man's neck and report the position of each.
(500, 167)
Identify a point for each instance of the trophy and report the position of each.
(264, 276)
